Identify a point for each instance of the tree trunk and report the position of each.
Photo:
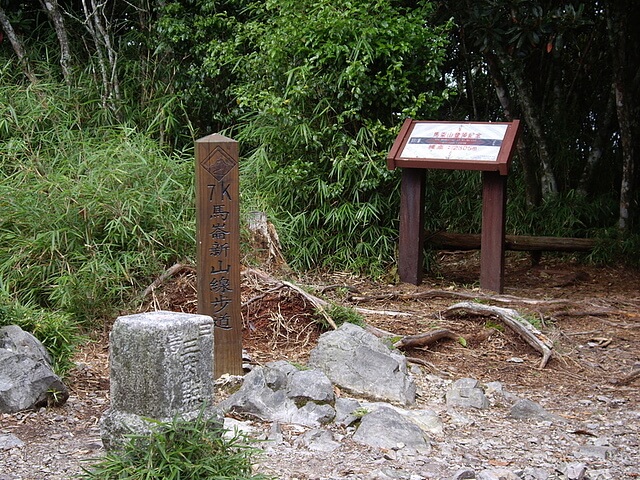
(53, 10)
(98, 27)
(532, 185)
(532, 119)
(603, 131)
(617, 28)
(18, 48)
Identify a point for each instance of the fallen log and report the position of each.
(522, 243)
(530, 334)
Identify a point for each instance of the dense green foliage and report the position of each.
(57, 331)
(87, 213)
(97, 129)
(325, 88)
(179, 450)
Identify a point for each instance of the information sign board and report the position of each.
(484, 146)
(454, 146)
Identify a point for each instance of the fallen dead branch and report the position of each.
(629, 378)
(426, 339)
(166, 275)
(510, 317)
(320, 304)
(453, 294)
(429, 365)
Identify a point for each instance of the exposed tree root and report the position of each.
(520, 325)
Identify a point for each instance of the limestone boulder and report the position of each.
(27, 379)
(278, 391)
(387, 429)
(360, 363)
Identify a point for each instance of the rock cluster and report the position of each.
(467, 434)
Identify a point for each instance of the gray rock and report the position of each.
(496, 389)
(464, 474)
(318, 440)
(13, 338)
(27, 379)
(427, 420)
(385, 428)
(533, 473)
(346, 411)
(312, 414)
(8, 441)
(467, 393)
(529, 410)
(262, 395)
(235, 427)
(280, 392)
(497, 474)
(574, 471)
(596, 451)
(310, 385)
(362, 364)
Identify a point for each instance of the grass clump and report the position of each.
(179, 449)
(341, 315)
(89, 213)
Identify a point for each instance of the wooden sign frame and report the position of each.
(483, 146)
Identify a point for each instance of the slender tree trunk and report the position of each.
(532, 119)
(17, 45)
(53, 10)
(98, 26)
(532, 186)
(617, 28)
(603, 130)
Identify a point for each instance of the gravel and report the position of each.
(596, 437)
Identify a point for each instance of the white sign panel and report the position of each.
(446, 141)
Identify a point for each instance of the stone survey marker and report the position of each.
(161, 367)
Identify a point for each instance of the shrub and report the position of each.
(179, 450)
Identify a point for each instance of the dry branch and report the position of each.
(425, 339)
(320, 304)
(452, 294)
(317, 302)
(629, 378)
(530, 334)
(170, 272)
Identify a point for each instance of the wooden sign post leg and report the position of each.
(218, 248)
(411, 255)
(494, 206)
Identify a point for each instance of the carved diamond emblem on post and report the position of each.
(218, 163)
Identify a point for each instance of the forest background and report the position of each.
(101, 101)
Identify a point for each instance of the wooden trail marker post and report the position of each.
(487, 147)
(218, 248)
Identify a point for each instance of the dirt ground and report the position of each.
(590, 313)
